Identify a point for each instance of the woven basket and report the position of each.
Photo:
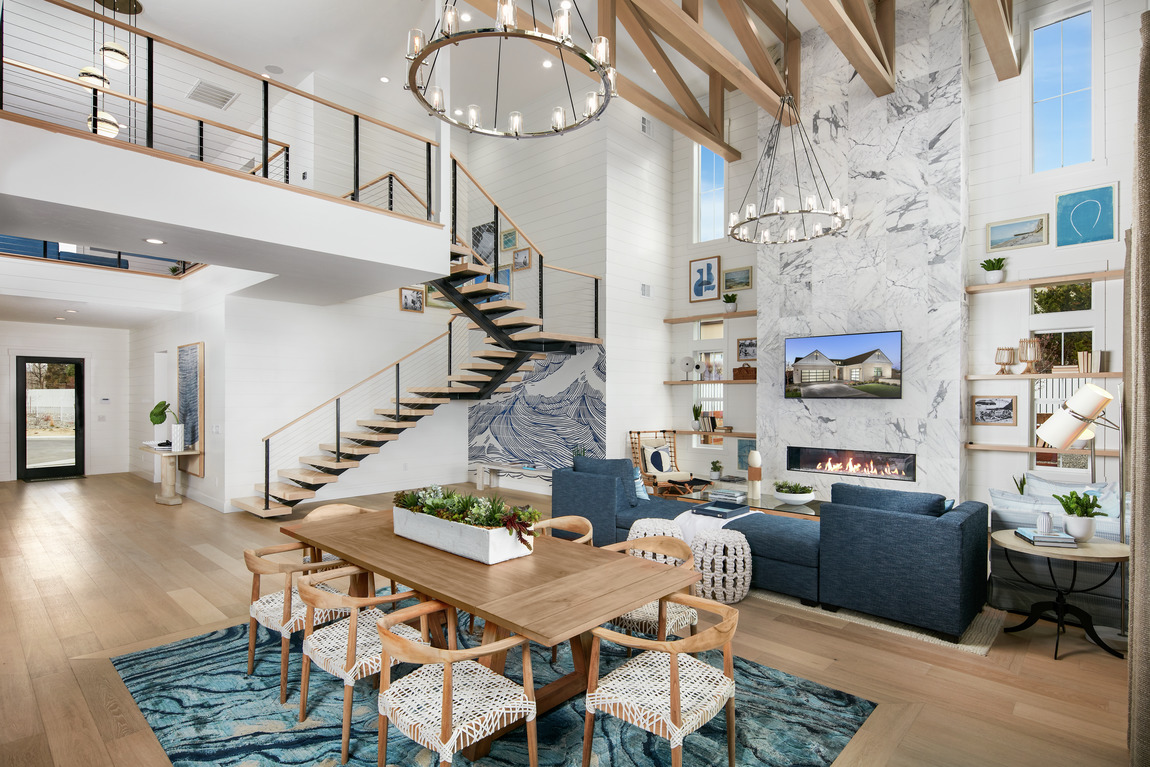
(746, 373)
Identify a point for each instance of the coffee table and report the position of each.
(768, 505)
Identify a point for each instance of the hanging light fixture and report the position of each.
(814, 211)
(103, 124)
(510, 25)
(94, 76)
(100, 122)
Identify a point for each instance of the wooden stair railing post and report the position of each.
(337, 450)
(267, 118)
(150, 114)
(267, 474)
(429, 181)
(355, 157)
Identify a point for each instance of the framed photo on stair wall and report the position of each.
(412, 299)
(190, 404)
(704, 275)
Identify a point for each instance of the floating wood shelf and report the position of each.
(1115, 274)
(724, 381)
(1029, 449)
(1036, 376)
(738, 434)
(717, 316)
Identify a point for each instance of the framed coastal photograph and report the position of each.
(508, 239)
(435, 299)
(1017, 233)
(994, 411)
(704, 279)
(1085, 216)
(521, 259)
(748, 349)
(738, 279)
(412, 299)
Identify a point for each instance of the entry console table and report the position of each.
(168, 460)
(1096, 550)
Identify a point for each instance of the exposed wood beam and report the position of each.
(884, 20)
(833, 18)
(717, 106)
(858, 11)
(606, 24)
(669, 21)
(694, 9)
(665, 70)
(774, 18)
(996, 23)
(747, 32)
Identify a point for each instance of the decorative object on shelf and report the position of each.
(696, 412)
(1004, 358)
(1080, 512)
(747, 349)
(704, 276)
(1084, 362)
(521, 259)
(745, 372)
(817, 211)
(688, 365)
(1020, 484)
(1044, 524)
(994, 271)
(730, 303)
(716, 469)
(412, 299)
(190, 404)
(754, 462)
(1028, 354)
(1087, 215)
(1016, 233)
(725, 429)
(794, 493)
(994, 411)
(509, 239)
(711, 364)
(512, 28)
(159, 414)
(738, 279)
(487, 530)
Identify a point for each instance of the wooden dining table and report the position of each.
(559, 592)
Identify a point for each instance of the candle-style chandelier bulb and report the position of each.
(835, 206)
(612, 84)
(846, 213)
(515, 123)
(558, 118)
(590, 103)
(415, 42)
(450, 23)
(474, 116)
(752, 211)
(562, 26)
(792, 234)
(780, 205)
(505, 15)
(811, 200)
(601, 50)
(734, 220)
(435, 98)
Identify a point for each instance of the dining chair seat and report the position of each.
(645, 620)
(325, 558)
(483, 702)
(636, 692)
(327, 646)
(268, 611)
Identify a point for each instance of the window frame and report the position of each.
(697, 193)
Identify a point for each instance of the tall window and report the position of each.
(712, 172)
(1061, 87)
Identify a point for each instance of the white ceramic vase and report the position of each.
(716, 474)
(1044, 525)
(1081, 529)
(696, 426)
(177, 437)
(995, 276)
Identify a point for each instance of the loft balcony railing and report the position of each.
(86, 255)
(173, 99)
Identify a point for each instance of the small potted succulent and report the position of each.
(730, 302)
(696, 414)
(716, 469)
(994, 270)
(488, 530)
(794, 493)
(1080, 513)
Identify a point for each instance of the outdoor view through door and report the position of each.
(50, 404)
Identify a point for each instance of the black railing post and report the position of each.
(337, 452)
(596, 334)
(264, 141)
(119, 260)
(287, 164)
(150, 108)
(95, 109)
(496, 240)
(200, 124)
(449, 324)
(454, 200)
(2, 85)
(390, 192)
(540, 256)
(428, 177)
(267, 473)
(397, 392)
(355, 158)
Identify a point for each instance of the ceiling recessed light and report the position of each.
(154, 241)
(385, 79)
(60, 318)
(465, 17)
(547, 63)
(275, 70)
(458, 112)
(70, 311)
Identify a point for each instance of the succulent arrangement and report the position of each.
(730, 298)
(1077, 505)
(793, 488)
(445, 503)
(993, 264)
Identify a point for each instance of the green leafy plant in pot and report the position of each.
(716, 469)
(794, 493)
(994, 270)
(696, 414)
(159, 414)
(730, 302)
(1080, 513)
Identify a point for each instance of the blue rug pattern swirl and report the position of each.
(205, 710)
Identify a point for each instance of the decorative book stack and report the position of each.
(1055, 539)
(731, 496)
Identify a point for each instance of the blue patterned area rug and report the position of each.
(205, 710)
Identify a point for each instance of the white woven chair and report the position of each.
(664, 690)
(649, 526)
(342, 649)
(281, 612)
(451, 701)
(580, 526)
(658, 618)
(331, 511)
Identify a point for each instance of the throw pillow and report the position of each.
(1009, 500)
(659, 459)
(1107, 492)
(947, 505)
(640, 488)
(614, 467)
(926, 504)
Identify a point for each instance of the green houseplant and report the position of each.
(159, 414)
(1080, 512)
(696, 414)
(730, 302)
(466, 525)
(794, 493)
(994, 270)
(716, 469)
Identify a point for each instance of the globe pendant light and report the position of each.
(114, 55)
(94, 76)
(103, 124)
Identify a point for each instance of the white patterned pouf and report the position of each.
(645, 528)
(724, 559)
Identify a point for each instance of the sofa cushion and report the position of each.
(784, 539)
(614, 467)
(926, 504)
(663, 508)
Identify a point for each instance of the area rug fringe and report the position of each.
(977, 639)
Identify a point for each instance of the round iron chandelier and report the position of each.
(423, 54)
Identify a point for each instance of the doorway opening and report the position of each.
(50, 405)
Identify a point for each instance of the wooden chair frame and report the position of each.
(661, 489)
(668, 547)
(580, 526)
(719, 635)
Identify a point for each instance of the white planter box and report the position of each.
(483, 544)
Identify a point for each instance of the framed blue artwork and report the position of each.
(705, 276)
(1088, 215)
(745, 446)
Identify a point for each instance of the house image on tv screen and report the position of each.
(869, 373)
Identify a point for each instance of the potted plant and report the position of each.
(730, 302)
(716, 469)
(696, 414)
(994, 271)
(1080, 513)
(159, 414)
(794, 493)
(488, 530)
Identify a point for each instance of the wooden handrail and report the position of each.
(376, 374)
(572, 271)
(393, 174)
(271, 158)
(108, 20)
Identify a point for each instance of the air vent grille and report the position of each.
(647, 125)
(211, 94)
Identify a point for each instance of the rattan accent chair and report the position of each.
(671, 483)
(451, 701)
(664, 689)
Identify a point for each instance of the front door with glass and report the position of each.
(50, 405)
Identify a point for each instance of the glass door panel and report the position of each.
(50, 405)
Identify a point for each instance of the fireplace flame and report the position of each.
(870, 468)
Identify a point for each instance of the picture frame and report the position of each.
(435, 299)
(412, 299)
(190, 404)
(509, 239)
(1017, 233)
(483, 240)
(994, 410)
(747, 349)
(742, 278)
(504, 278)
(744, 448)
(1086, 216)
(521, 259)
(704, 275)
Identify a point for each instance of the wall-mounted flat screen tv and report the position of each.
(855, 366)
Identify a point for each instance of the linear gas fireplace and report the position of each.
(855, 463)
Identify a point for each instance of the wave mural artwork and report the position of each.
(559, 407)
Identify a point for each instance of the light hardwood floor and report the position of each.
(92, 568)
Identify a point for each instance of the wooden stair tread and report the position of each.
(478, 366)
(329, 462)
(378, 423)
(369, 436)
(461, 389)
(350, 448)
(469, 270)
(484, 289)
(255, 505)
(308, 476)
(482, 379)
(505, 305)
(510, 322)
(420, 400)
(285, 491)
(545, 336)
(504, 354)
(459, 249)
(403, 411)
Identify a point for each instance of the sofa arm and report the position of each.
(596, 497)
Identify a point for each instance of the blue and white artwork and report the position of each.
(560, 406)
(745, 446)
(1089, 215)
(704, 279)
(190, 403)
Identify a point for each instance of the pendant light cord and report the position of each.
(562, 61)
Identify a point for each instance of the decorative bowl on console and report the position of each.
(794, 493)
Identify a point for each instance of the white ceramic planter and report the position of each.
(716, 474)
(996, 276)
(1080, 529)
(177, 437)
(794, 499)
(730, 308)
(488, 545)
